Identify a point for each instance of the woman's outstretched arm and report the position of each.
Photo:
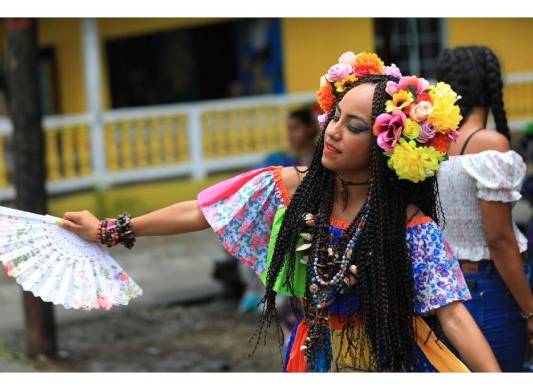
(181, 217)
(463, 332)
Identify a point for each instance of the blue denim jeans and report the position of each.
(498, 315)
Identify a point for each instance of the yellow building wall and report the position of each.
(64, 36)
(312, 45)
(510, 38)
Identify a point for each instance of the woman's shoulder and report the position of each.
(291, 177)
(489, 140)
(415, 216)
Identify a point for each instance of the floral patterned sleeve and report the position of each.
(241, 210)
(437, 275)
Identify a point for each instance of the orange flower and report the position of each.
(325, 98)
(368, 63)
(440, 142)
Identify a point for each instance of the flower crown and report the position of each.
(419, 122)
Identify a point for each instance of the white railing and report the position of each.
(192, 139)
(157, 142)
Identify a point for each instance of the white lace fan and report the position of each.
(58, 265)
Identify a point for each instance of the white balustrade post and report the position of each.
(93, 96)
(194, 132)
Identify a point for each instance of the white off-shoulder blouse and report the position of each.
(463, 180)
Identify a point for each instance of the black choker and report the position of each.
(344, 190)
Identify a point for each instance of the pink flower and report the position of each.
(322, 120)
(388, 128)
(232, 248)
(393, 71)
(240, 214)
(244, 228)
(347, 58)
(269, 216)
(418, 85)
(257, 195)
(453, 135)
(8, 267)
(427, 132)
(338, 72)
(104, 303)
(419, 112)
(123, 277)
(257, 242)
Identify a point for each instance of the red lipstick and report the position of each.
(330, 150)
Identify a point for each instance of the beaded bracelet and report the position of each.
(112, 232)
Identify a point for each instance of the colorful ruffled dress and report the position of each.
(246, 211)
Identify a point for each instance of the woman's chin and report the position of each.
(328, 162)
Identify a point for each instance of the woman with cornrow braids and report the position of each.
(478, 186)
(354, 236)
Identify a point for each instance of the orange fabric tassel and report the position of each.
(297, 361)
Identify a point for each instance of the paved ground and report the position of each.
(209, 337)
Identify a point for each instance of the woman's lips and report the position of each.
(330, 150)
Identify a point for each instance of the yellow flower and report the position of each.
(340, 86)
(412, 129)
(400, 99)
(445, 115)
(414, 163)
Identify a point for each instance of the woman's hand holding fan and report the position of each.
(63, 265)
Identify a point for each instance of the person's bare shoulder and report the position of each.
(291, 178)
(489, 140)
(413, 212)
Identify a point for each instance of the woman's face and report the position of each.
(348, 137)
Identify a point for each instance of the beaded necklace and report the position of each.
(324, 283)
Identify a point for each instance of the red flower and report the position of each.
(424, 96)
(440, 142)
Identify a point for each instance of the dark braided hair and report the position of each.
(384, 290)
(474, 73)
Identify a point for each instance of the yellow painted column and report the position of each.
(52, 155)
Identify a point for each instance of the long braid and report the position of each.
(494, 84)
(474, 73)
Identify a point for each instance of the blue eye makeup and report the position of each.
(356, 126)
(354, 123)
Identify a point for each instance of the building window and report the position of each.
(414, 44)
(219, 60)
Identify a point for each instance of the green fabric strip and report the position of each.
(300, 269)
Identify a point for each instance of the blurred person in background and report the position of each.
(478, 186)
